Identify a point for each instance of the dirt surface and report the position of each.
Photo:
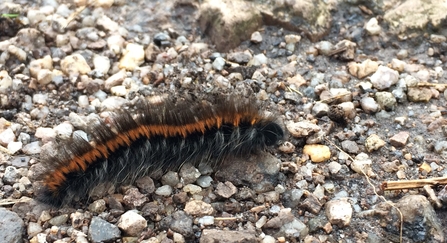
(361, 84)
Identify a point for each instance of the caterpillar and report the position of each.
(158, 137)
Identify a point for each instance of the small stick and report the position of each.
(409, 184)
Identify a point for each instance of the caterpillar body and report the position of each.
(159, 137)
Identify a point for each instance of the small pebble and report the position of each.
(197, 208)
(132, 223)
(374, 142)
(256, 37)
(384, 78)
(165, 190)
(399, 139)
(339, 212)
(317, 152)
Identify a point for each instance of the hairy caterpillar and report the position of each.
(160, 137)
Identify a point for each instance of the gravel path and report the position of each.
(359, 87)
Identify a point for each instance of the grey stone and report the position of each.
(11, 175)
(11, 227)
(182, 223)
(102, 231)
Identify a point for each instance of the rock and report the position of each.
(317, 152)
(240, 57)
(59, 220)
(75, 65)
(102, 231)
(399, 139)
(291, 198)
(189, 174)
(204, 181)
(421, 224)
(414, 15)
(115, 79)
(145, 184)
(206, 220)
(438, 39)
(384, 78)
(133, 57)
(362, 164)
(402, 54)
(287, 147)
(5, 81)
(193, 189)
(320, 109)
(227, 236)
(374, 142)
(292, 39)
(373, 27)
(311, 204)
(350, 147)
(311, 17)
(258, 171)
(7, 136)
(170, 178)
(11, 226)
(369, 105)
(133, 198)
(258, 60)
(98, 206)
(226, 190)
(33, 229)
(32, 148)
(294, 229)
(101, 64)
(324, 48)
(182, 223)
(218, 63)
(302, 129)
(339, 212)
(225, 28)
(334, 167)
(398, 65)
(113, 103)
(386, 100)
(132, 223)
(11, 175)
(165, 190)
(419, 94)
(198, 208)
(256, 37)
(14, 147)
(44, 76)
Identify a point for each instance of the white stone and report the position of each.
(256, 37)
(101, 63)
(75, 65)
(206, 220)
(258, 60)
(373, 27)
(63, 130)
(191, 188)
(7, 136)
(14, 147)
(132, 223)
(165, 190)
(119, 90)
(384, 78)
(339, 212)
(5, 80)
(133, 57)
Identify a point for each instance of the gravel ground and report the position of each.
(358, 85)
